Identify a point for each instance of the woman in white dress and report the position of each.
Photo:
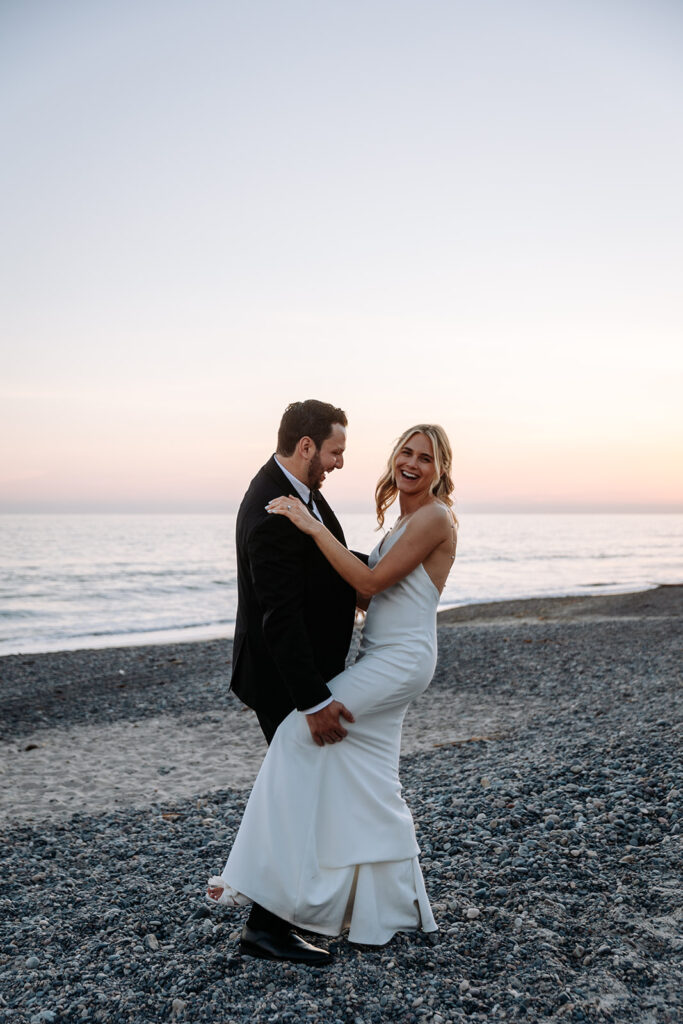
(327, 842)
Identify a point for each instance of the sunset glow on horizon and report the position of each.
(446, 212)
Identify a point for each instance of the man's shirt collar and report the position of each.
(302, 490)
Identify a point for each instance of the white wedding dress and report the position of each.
(327, 841)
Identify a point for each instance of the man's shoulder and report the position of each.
(253, 522)
(262, 488)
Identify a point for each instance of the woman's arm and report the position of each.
(428, 527)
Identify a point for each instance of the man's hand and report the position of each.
(325, 725)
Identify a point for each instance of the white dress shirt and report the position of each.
(302, 490)
(304, 493)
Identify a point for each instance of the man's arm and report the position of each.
(276, 559)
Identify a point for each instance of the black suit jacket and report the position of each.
(294, 612)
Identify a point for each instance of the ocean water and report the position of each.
(75, 581)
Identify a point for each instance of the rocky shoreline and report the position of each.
(543, 770)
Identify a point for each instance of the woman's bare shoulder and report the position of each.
(434, 516)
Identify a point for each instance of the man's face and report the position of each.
(328, 457)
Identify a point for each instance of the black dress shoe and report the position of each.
(287, 946)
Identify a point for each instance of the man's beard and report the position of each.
(315, 472)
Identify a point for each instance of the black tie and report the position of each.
(309, 503)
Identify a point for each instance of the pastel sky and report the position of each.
(460, 212)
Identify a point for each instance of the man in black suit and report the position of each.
(294, 615)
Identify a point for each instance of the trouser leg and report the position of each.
(259, 918)
(262, 920)
(268, 725)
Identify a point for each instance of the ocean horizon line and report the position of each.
(77, 579)
(477, 508)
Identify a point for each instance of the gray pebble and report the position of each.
(553, 929)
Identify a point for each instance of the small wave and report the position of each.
(168, 635)
(132, 631)
(524, 558)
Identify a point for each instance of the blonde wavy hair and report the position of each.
(442, 487)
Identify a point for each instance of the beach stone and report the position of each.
(472, 913)
(90, 971)
(33, 962)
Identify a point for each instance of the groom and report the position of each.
(294, 616)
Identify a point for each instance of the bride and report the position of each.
(327, 841)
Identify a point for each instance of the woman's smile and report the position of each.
(414, 464)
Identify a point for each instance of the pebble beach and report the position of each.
(543, 769)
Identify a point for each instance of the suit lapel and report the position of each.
(328, 517)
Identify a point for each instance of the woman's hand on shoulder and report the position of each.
(297, 513)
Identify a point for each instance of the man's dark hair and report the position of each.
(307, 419)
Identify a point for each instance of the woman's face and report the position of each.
(414, 465)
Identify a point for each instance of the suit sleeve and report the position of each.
(277, 559)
